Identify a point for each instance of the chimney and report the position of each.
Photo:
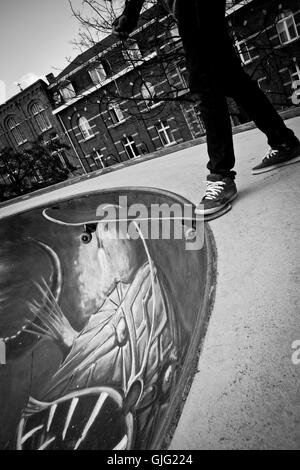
(50, 77)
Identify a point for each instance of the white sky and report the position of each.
(35, 38)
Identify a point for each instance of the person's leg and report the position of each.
(202, 28)
(251, 98)
(215, 115)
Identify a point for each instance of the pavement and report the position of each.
(246, 392)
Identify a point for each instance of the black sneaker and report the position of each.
(219, 192)
(277, 157)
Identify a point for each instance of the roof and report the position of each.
(23, 92)
(83, 58)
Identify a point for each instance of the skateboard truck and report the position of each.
(87, 235)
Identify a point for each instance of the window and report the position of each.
(85, 128)
(115, 113)
(57, 98)
(179, 80)
(130, 147)
(98, 74)
(286, 28)
(260, 82)
(5, 177)
(174, 32)
(165, 134)
(132, 52)
(15, 128)
(38, 176)
(294, 71)
(61, 154)
(68, 92)
(62, 157)
(40, 116)
(98, 157)
(265, 84)
(244, 51)
(148, 93)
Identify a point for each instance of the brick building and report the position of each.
(27, 116)
(267, 36)
(118, 101)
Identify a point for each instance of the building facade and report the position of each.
(117, 101)
(267, 37)
(28, 116)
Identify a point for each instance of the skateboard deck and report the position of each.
(82, 218)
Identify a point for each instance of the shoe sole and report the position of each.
(216, 209)
(278, 165)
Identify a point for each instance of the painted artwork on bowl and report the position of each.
(99, 330)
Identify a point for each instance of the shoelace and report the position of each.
(271, 153)
(213, 189)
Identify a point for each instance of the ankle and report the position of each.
(221, 176)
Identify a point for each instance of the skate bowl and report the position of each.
(101, 332)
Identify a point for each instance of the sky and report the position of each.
(35, 39)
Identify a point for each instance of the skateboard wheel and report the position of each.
(86, 237)
(190, 234)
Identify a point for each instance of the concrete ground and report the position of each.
(246, 393)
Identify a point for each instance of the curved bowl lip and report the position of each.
(144, 189)
(167, 427)
(165, 432)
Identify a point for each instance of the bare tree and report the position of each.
(36, 166)
(96, 18)
(252, 40)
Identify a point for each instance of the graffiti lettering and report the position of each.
(296, 95)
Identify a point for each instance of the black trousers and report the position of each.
(215, 72)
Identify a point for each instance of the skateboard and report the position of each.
(63, 216)
(88, 222)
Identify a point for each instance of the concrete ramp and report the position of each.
(101, 331)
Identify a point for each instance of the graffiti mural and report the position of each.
(97, 332)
